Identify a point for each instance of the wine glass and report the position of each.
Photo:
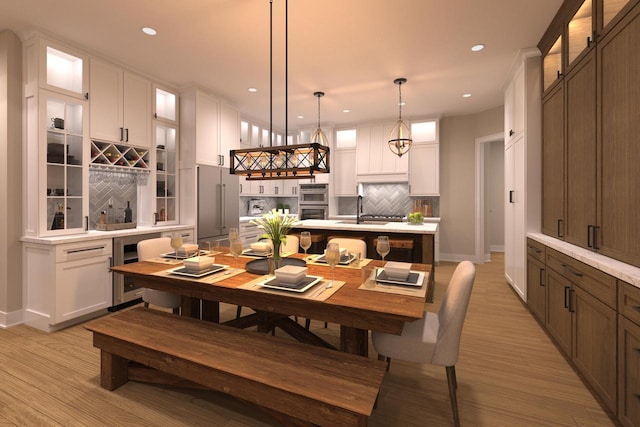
(176, 242)
(332, 255)
(235, 248)
(305, 241)
(233, 233)
(382, 247)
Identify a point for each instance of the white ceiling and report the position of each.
(350, 49)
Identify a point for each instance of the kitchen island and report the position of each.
(421, 236)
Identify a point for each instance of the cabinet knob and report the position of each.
(511, 132)
(559, 74)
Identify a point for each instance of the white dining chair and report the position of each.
(151, 248)
(434, 339)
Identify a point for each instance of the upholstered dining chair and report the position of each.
(352, 246)
(151, 248)
(435, 338)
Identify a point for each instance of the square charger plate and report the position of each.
(182, 271)
(415, 278)
(185, 256)
(302, 286)
(344, 259)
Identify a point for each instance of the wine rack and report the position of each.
(108, 154)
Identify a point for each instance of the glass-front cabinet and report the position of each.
(166, 173)
(552, 64)
(580, 31)
(63, 123)
(610, 9)
(61, 69)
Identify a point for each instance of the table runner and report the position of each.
(371, 285)
(319, 292)
(212, 278)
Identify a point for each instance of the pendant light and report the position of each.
(319, 136)
(400, 136)
(285, 161)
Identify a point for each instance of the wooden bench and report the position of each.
(308, 384)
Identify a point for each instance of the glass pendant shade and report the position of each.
(400, 136)
(319, 136)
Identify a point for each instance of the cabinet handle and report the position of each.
(566, 296)
(560, 228)
(240, 188)
(511, 132)
(86, 96)
(589, 231)
(542, 277)
(511, 196)
(572, 271)
(559, 74)
(121, 134)
(533, 248)
(155, 115)
(86, 223)
(572, 309)
(126, 132)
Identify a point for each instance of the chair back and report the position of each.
(151, 248)
(352, 245)
(291, 245)
(452, 313)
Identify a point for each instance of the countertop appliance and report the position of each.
(313, 201)
(125, 251)
(218, 205)
(257, 207)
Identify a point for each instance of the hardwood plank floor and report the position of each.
(509, 374)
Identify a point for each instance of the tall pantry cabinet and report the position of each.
(522, 157)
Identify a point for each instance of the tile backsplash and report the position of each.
(117, 186)
(384, 199)
(270, 203)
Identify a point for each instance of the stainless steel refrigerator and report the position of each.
(218, 202)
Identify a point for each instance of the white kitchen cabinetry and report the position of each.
(375, 161)
(424, 169)
(209, 128)
(522, 165)
(290, 187)
(344, 173)
(120, 105)
(249, 233)
(72, 282)
(187, 235)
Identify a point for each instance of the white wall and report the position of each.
(457, 179)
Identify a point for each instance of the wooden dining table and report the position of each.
(356, 310)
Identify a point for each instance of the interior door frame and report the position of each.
(480, 146)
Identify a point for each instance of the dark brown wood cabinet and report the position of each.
(629, 355)
(558, 314)
(553, 162)
(536, 280)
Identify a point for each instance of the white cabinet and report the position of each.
(209, 128)
(424, 169)
(375, 161)
(290, 187)
(249, 233)
(120, 105)
(72, 282)
(522, 164)
(344, 173)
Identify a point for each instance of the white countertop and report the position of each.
(388, 227)
(97, 235)
(620, 270)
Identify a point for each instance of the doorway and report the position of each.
(489, 196)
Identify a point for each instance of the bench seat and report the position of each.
(310, 384)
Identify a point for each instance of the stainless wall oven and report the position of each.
(314, 201)
(125, 251)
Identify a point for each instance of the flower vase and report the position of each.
(274, 260)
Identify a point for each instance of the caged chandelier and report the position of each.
(400, 136)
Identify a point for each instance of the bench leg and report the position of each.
(113, 370)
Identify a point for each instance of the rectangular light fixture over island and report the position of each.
(281, 162)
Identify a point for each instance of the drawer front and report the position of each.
(536, 250)
(83, 250)
(629, 372)
(629, 302)
(597, 283)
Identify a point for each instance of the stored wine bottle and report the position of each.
(127, 213)
(58, 219)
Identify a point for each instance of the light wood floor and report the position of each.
(509, 374)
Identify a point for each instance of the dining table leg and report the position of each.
(354, 340)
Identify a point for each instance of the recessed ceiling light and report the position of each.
(149, 31)
(253, 89)
(477, 47)
(301, 117)
(466, 95)
(346, 110)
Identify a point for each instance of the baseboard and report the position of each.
(13, 318)
(456, 257)
(496, 248)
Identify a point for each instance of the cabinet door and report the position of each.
(536, 288)
(580, 88)
(594, 343)
(619, 68)
(105, 98)
(206, 124)
(558, 314)
(82, 287)
(514, 105)
(344, 174)
(290, 186)
(553, 163)
(629, 372)
(509, 212)
(424, 171)
(136, 110)
(229, 132)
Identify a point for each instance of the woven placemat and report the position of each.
(319, 292)
(371, 285)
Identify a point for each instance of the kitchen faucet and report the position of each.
(358, 208)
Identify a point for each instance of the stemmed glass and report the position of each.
(305, 241)
(382, 246)
(176, 242)
(235, 247)
(332, 255)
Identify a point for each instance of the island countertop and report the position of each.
(350, 225)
